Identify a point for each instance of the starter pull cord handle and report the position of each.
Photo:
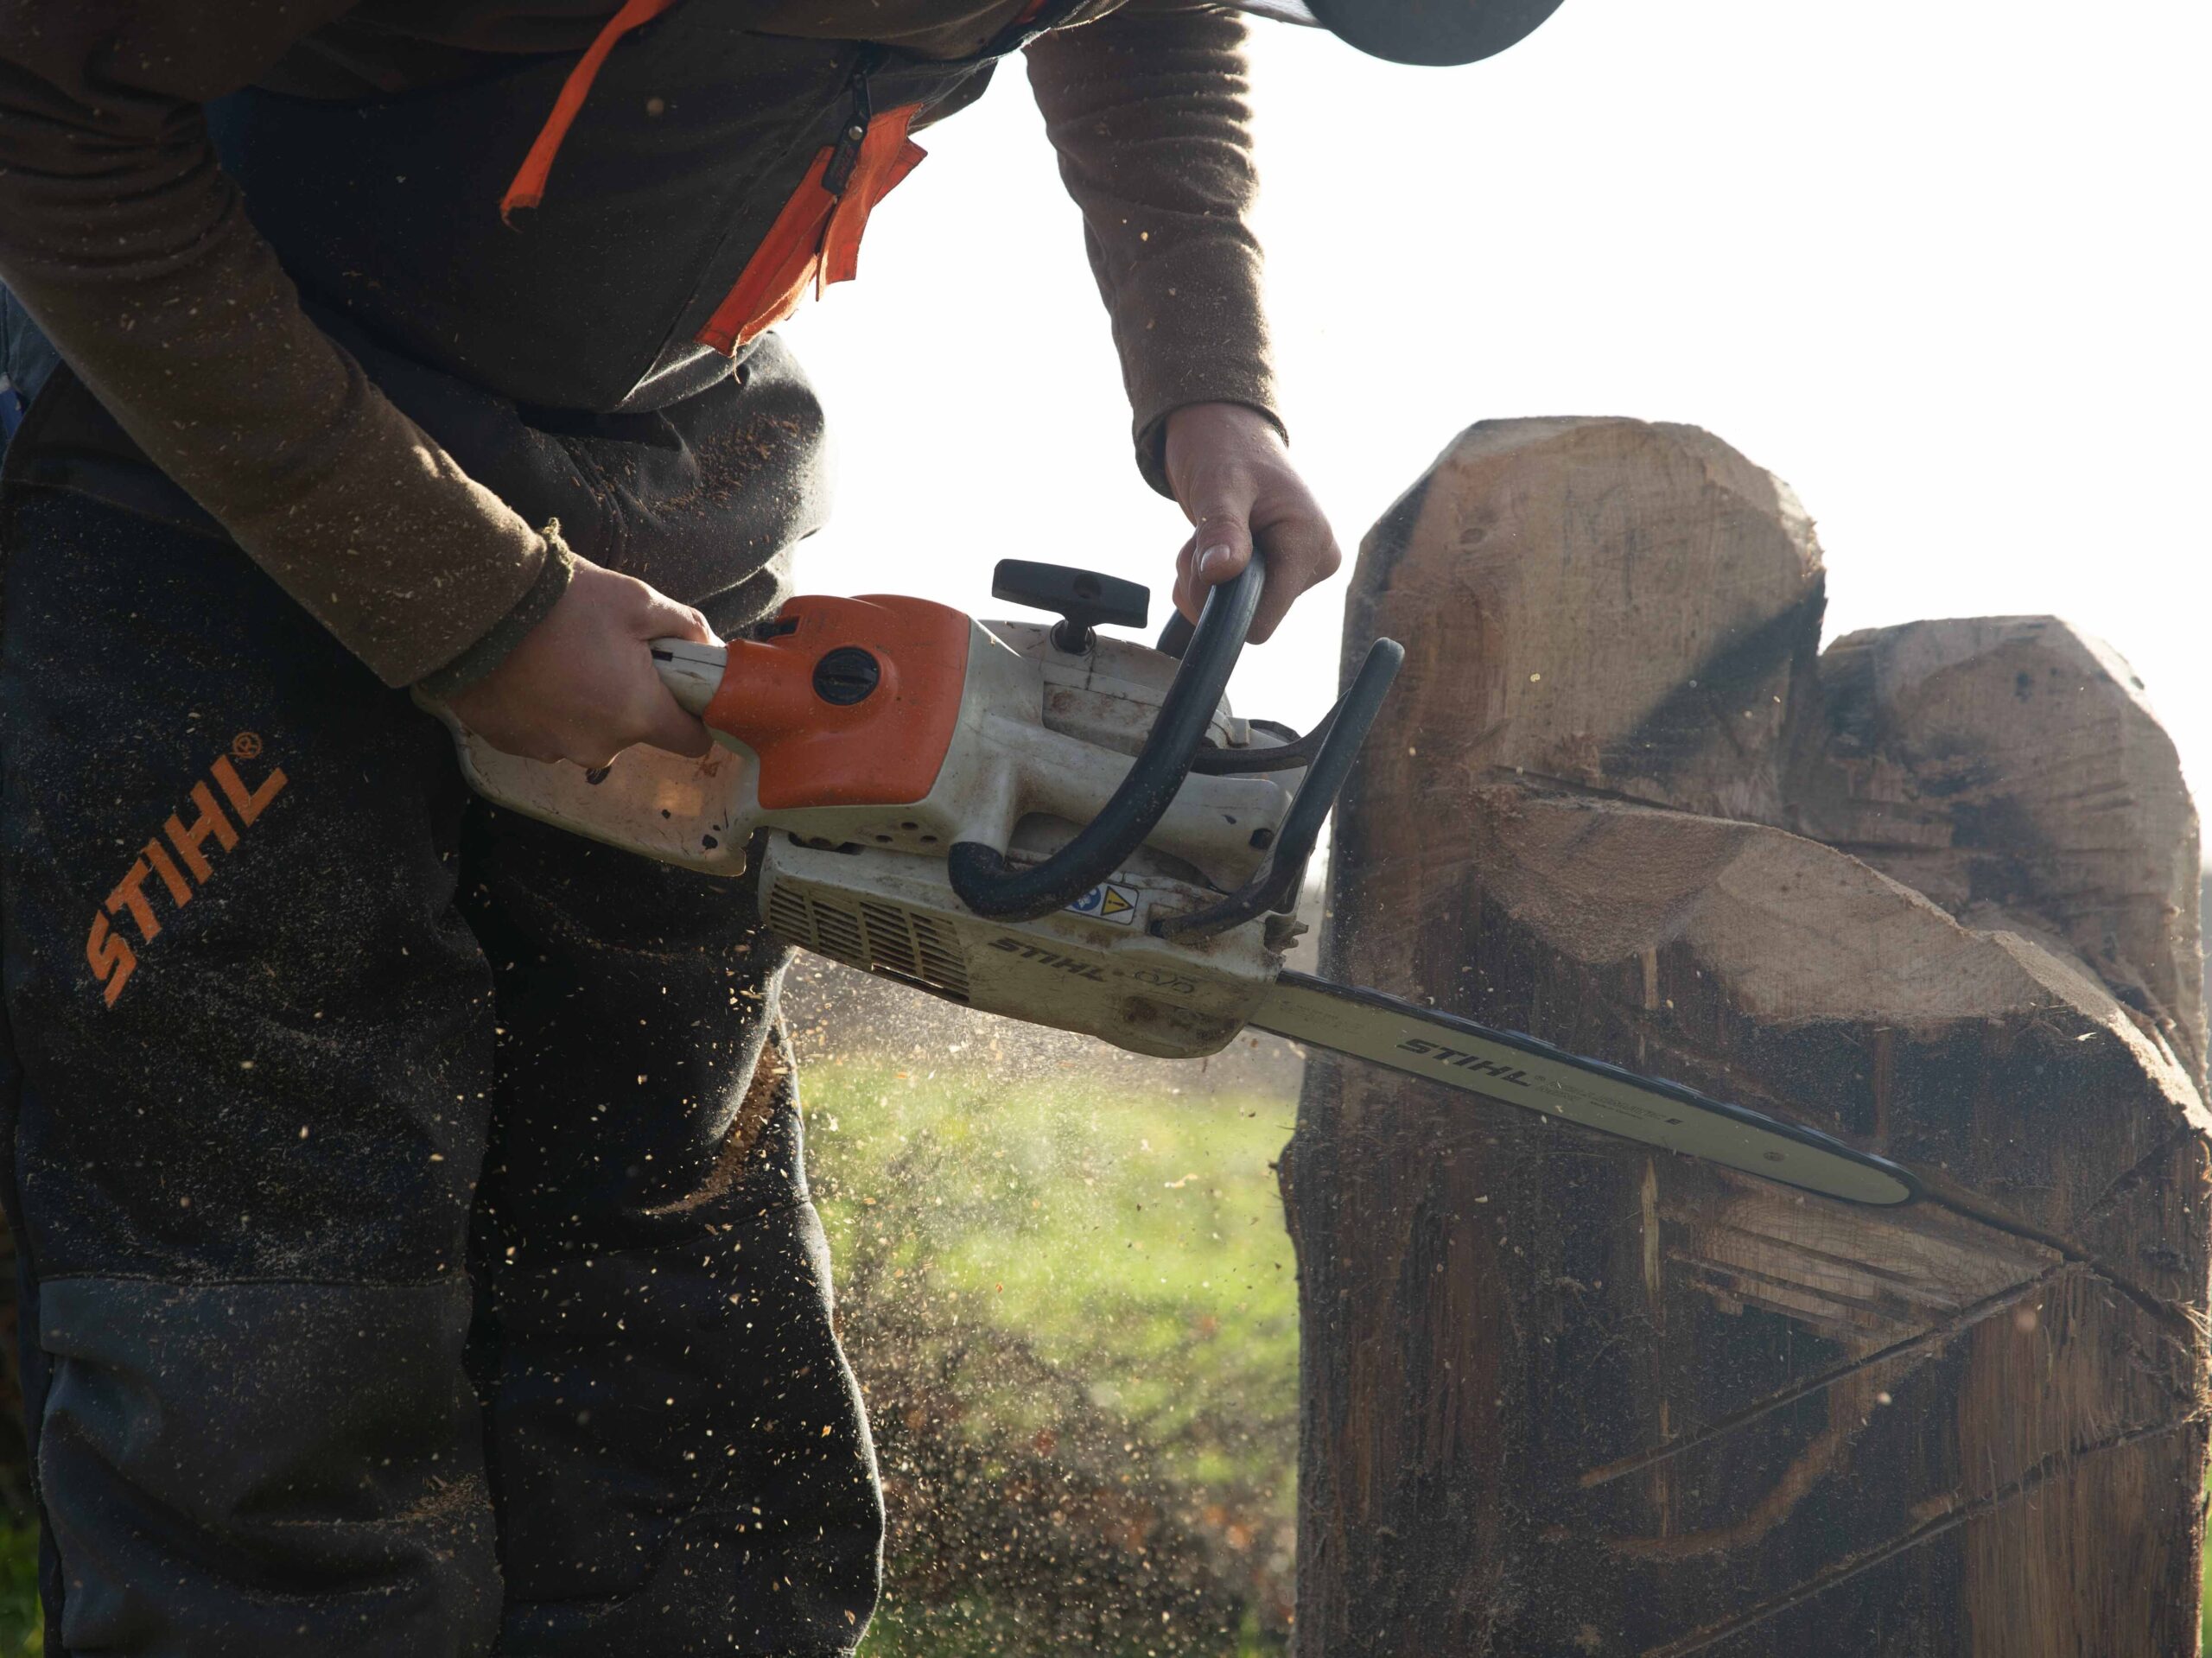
(992, 887)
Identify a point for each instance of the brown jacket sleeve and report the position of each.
(132, 250)
(1150, 111)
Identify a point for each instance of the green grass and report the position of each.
(1067, 1276)
(21, 1629)
(1138, 1242)
(1095, 1282)
(1072, 1305)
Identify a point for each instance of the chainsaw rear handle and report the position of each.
(692, 671)
(992, 887)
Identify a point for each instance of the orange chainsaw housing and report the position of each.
(885, 750)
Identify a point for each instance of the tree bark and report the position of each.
(1564, 1395)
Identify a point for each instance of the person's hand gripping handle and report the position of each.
(1232, 476)
(692, 670)
(583, 685)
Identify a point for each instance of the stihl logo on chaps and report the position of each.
(112, 955)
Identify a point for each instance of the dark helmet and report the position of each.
(1415, 31)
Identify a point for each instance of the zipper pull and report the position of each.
(846, 155)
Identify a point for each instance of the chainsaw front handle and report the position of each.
(1277, 885)
(991, 886)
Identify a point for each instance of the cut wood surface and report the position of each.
(1562, 1396)
(1617, 674)
(2010, 768)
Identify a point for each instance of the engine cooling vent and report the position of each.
(874, 936)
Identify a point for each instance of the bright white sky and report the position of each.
(1942, 268)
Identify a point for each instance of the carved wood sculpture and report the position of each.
(1564, 1396)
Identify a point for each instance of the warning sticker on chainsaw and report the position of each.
(1108, 902)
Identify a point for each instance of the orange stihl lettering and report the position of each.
(172, 877)
(110, 954)
(130, 893)
(247, 806)
(188, 841)
(111, 957)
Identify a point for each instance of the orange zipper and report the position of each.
(816, 240)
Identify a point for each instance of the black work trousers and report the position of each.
(416, 1255)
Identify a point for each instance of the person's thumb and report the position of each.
(1220, 544)
(666, 723)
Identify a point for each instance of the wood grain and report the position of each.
(1565, 1396)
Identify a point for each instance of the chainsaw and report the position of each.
(1040, 821)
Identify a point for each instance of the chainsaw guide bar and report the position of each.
(1516, 1070)
(1074, 830)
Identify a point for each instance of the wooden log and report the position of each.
(1616, 674)
(1564, 1396)
(2011, 769)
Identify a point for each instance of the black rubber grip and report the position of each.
(1275, 888)
(991, 886)
(1175, 638)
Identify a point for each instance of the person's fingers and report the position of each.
(592, 756)
(589, 735)
(1220, 509)
(660, 617)
(633, 705)
(656, 717)
(534, 741)
(582, 686)
(1188, 597)
(1301, 551)
(595, 736)
(534, 744)
(593, 732)
(667, 726)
